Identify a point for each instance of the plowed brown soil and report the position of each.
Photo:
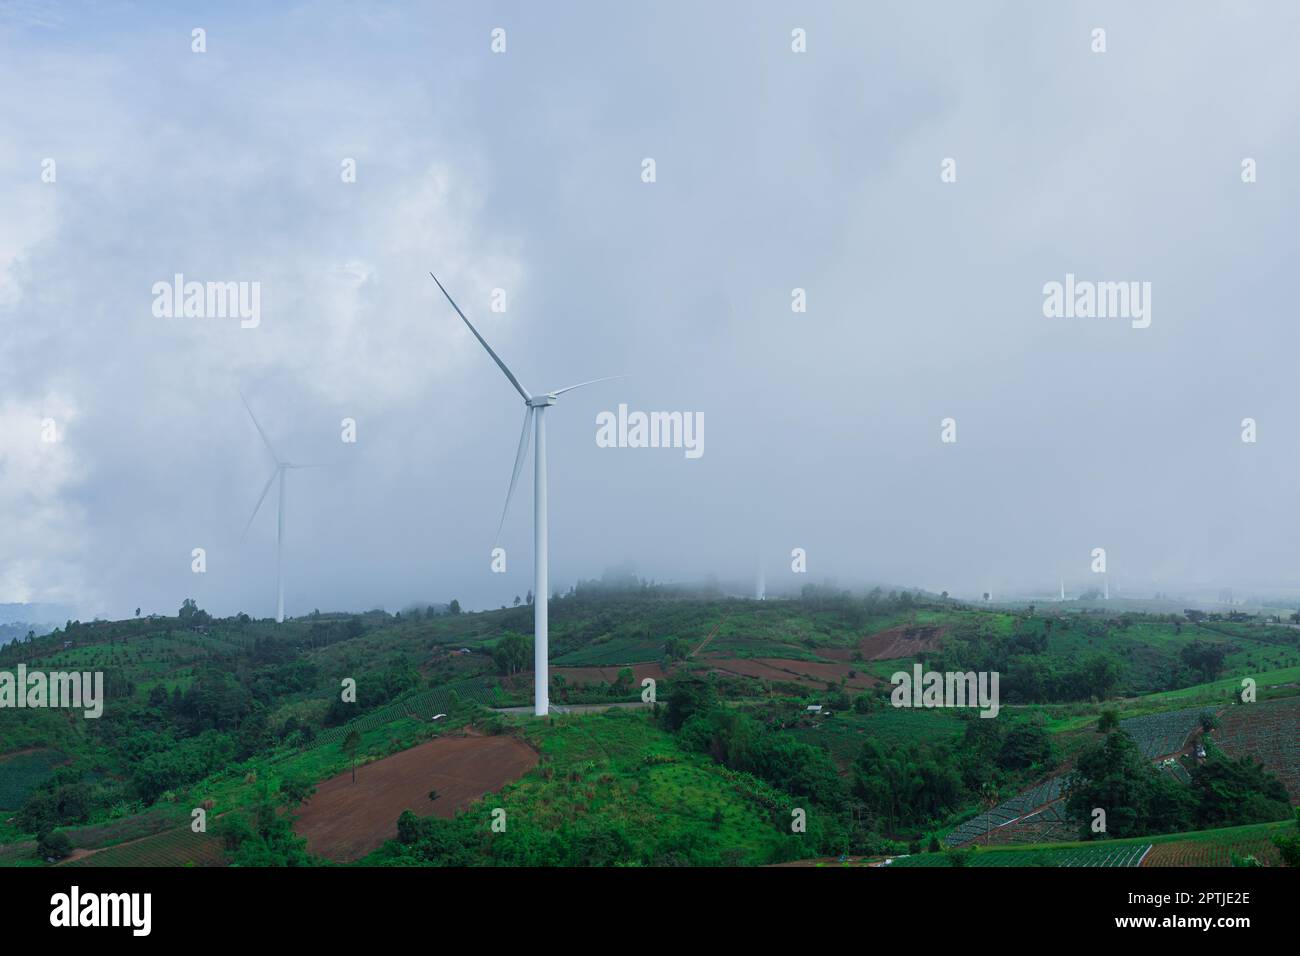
(345, 820)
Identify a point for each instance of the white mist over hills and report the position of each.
(522, 172)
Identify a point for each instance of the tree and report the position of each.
(137, 612)
(1024, 746)
(1204, 660)
(454, 607)
(677, 649)
(294, 790)
(529, 599)
(1232, 792)
(623, 683)
(433, 795)
(1115, 777)
(351, 745)
(53, 845)
(1288, 844)
(685, 699)
(512, 653)
(1109, 721)
(191, 615)
(516, 600)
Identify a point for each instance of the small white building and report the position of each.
(814, 708)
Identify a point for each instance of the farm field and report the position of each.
(1021, 805)
(1048, 825)
(1199, 848)
(575, 676)
(344, 821)
(1193, 853)
(425, 705)
(891, 644)
(178, 847)
(813, 674)
(1269, 730)
(1106, 854)
(1159, 735)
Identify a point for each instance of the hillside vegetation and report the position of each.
(1140, 714)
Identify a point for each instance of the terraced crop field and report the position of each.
(179, 847)
(1048, 825)
(1103, 854)
(1200, 853)
(1269, 730)
(1018, 806)
(425, 705)
(618, 651)
(1158, 735)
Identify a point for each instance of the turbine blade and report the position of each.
(260, 499)
(496, 358)
(569, 388)
(519, 463)
(266, 440)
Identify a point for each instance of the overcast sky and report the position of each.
(522, 170)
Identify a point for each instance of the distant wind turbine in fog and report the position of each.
(534, 416)
(281, 467)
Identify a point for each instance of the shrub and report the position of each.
(53, 845)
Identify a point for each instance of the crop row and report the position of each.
(1018, 806)
(1159, 734)
(426, 705)
(1103, 854)
(179, 847)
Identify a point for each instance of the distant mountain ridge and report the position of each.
(17, 619)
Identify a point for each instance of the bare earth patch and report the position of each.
(807, 673)
(607, 675)
(894, 643)
(344, 821)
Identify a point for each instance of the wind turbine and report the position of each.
(281, 467)
(534, 415)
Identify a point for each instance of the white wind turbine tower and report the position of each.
(280, 468)
(534, 415)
